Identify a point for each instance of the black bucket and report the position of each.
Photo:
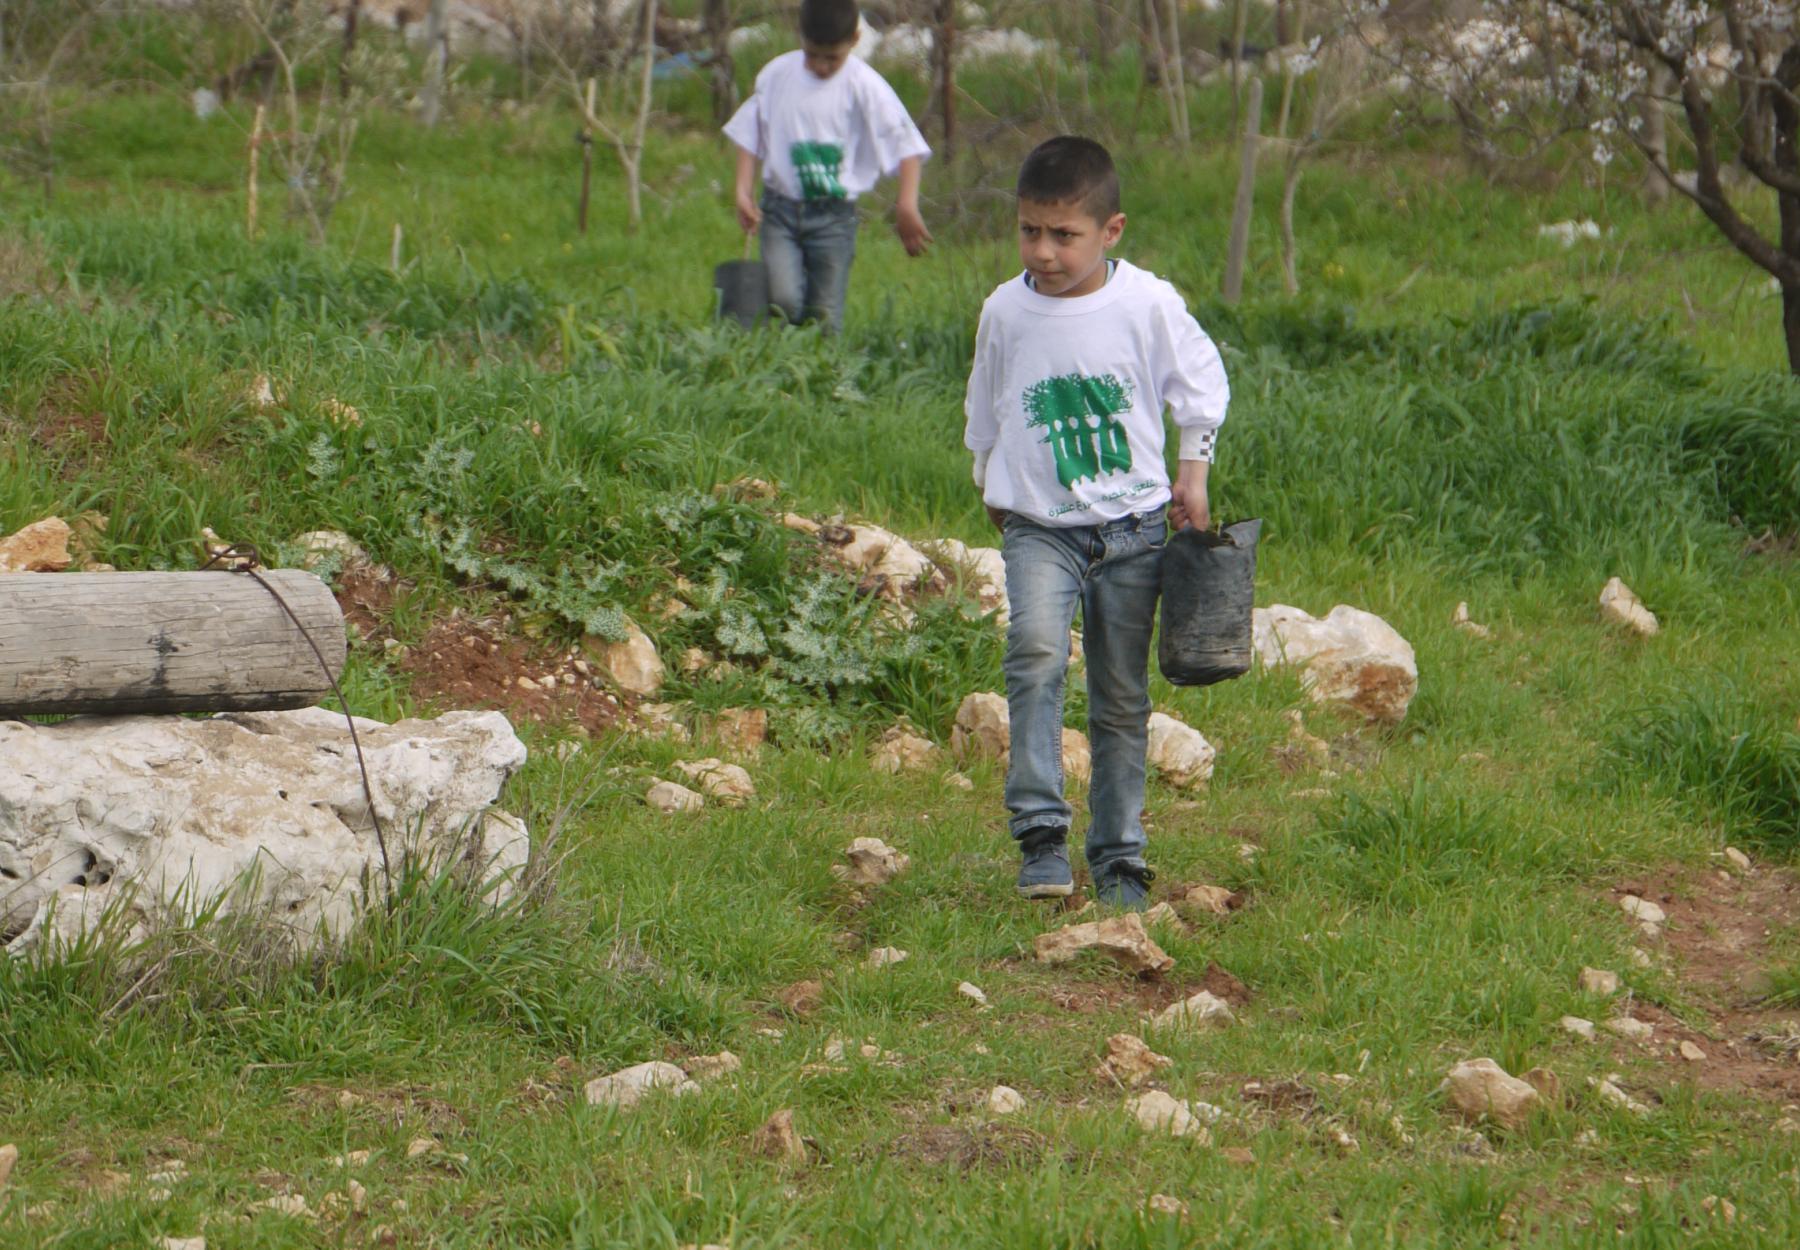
(1208, 590)
(743, 290)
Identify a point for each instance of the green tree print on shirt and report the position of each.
(819, 167)
(1077, 413)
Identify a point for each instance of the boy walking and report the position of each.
(825, 128)
(1075, 362)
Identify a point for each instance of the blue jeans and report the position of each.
(1113, 572)
(808, 246)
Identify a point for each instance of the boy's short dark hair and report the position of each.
(1071, 170)
(828, 21)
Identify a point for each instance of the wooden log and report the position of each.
(118, 643)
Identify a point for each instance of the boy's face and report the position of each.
(826, 59)
(1063, 247)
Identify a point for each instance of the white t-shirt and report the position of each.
(824, 138)
(1066, 397)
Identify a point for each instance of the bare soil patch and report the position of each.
(477, 662)
(1723, 935)
(977, 1146)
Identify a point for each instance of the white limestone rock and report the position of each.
(1620, 605)
(1481, 1088)
(1178, 752)
(983, 570)
(728, 783)
(672, 799)
(1159, 1112)
(632, 666)
(882, 553)
(983, 728)
(1351, 658)
(1193, 1012)
(871, 862)
(626, 1088)
(1005, 1100)
(1077, 756)
(901, 750)
(263, 812)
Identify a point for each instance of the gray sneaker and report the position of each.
(1044, 872)
(1124, 883)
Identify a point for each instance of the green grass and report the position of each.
(1454, 411)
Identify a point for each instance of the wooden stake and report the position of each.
(250, 206)
(586, 138)
(394, 250)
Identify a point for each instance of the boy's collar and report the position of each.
(1112, 267)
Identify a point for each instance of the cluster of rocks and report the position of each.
(1177, 752)
(53, 545)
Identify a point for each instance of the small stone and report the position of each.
(1609, 1092)
(1621, 606)
(706, 1068)
(1737, 859)
(728, 783)
(1179, 753)
(628, 1087)
(1584, 1029)
(1460, 619)
(1721, 1208)
(973, 993)
(1163, 1204)
(1197, 1011)
(293, 1205)
(355, 1159)
(1242, 1156)
(1346, 1144)
(9, 1159)
(959, 781)
(1164, 913)
(1588, 1139)
(694, 660)
(1005, 1100)
(41, 547)
(872, 862)
(525, 683)
(886, 956)
(802, 998)
(1213, 899)
(632, 666)
(1640, 958)
(422, 1146)
(983, 728)
(778, 1140)
(1077, 756)
(348, 1098)
(181, 1243)
(1642, 909)
(1691, 1052)
(1546, 1083)
(1121, 938)
(1129, 1062)
(900, 750)
(800, 524)
(567, 750)
(1158, 1112)
(670, 798)
(1599, 981)
(1629, 1029)
(359, 1197)
(740, 730)
(1481, 1088)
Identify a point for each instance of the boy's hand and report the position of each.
(997, 516)
(749, 214)
(910, 226)
(1188, 502)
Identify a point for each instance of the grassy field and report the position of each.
(1453, 410)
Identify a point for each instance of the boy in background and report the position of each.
(825, 128)
(1075, 361)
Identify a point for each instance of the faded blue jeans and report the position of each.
(808, 246)
(1113, 572)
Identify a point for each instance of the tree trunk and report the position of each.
(1790, 326)
(632, 154)
(943, 72)
(437, 52)
(1656, 131)
(1290, 186)
(1240, 15)
(1106, 33)
(1786, 112)
(1152, 55)
(724, 77)
(1178, 74)
(1239, 245)
(165, 642)
(352, 16)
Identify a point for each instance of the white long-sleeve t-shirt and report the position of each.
(824, 138)
(1066, 397)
